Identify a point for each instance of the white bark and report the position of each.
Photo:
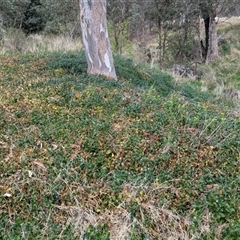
(95, 38)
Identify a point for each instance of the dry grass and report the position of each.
(165, 223)
(118, 220)
(15, 40)
(227, 21)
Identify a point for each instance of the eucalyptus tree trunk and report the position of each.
(212, 44)
(95, 38)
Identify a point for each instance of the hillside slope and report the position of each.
(139, 158)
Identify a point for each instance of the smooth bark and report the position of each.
(95, 37)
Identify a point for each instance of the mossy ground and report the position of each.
(138, 158)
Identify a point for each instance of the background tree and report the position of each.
(208, 12)
(210, 9)
(173, 28)
(118, 23)
(61, 17)
(13, 12)
(58, 16)
(1, 30)
(33, 22)
(137, 19)
(176, 24)
(163, 13)
(95, 38)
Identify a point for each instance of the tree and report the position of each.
(176, 23)
(95, 37)
(118, 15)
(1, 30)
(209, 13)
(12, 12)
(61, 16)
(33, 21)
(210, 9)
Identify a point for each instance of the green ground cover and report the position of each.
(84, 157)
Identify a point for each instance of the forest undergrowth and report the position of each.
(144, 157)
(84, 157)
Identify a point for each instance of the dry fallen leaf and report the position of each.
(7, 195)
(41, 165)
